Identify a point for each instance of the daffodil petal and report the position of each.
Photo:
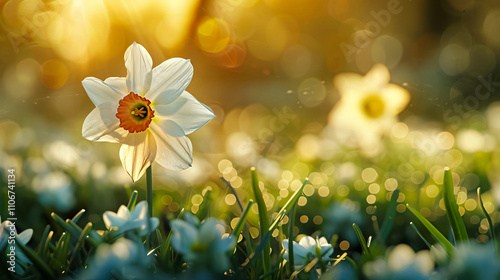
(347, 83)
(209, 229)
(139, 64)
(116, 136)
(170, 127)
(377, 77)
(192, 219)
(175, 153)
(99, 92)
(138, 153)
(119, 84)
(326, 250)
(123, 212)
(112, 220)
(286, 256)
(154, 222)
(308, 242)
(395, 98)
(186, 111)
(184, 236)
(170, 79)
(285, 244)
(101, 121)
(298, 250)
(139, 211)
(25, 236)
(225, 244)
(322, 241)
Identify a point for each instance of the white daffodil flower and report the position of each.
(148, 112)
(368, 106)
(6, 241)
(202, 243)
(307, 249)
(124, 220)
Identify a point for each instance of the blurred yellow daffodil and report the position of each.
(368, 106)
(148, 112)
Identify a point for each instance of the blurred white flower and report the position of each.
(241, 148)
(401, 263)
(124, 220)
(307, 249)
(61, 154)
(55, 190)
(472, 141)
(474, 262)
(368, 106)
(202, 243)
(148, 112)
(123, 258)
(339, 219)
(9, 229)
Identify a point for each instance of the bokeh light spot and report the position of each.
(54, 74)
(213, 35)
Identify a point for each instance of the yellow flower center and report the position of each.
(135, 113)
(373, 106)
(198, 247)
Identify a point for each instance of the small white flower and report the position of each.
(148, 112)
(202, 243)
(307, 249)
(124, 220)
(368, 106)
(23, 238)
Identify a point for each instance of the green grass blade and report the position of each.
(362, 240)
(433, 230)
(204, 208)
(90, 237)
(79, 244)
(263, 219)
(159, 238)
(457, 224)
(41, 266)
(239, 226)
(389, 217)
(66, 226)
(78, 215)
(259, 250)
(44, 254)
(288, 205)
(166, 245)
(291, 221)
(488, 218)
(60, 253)
(421, 236)
(45, 235)
(132, 201)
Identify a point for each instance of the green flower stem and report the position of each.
(149, 190)
(149, 196)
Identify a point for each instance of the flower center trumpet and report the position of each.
(135, 113)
